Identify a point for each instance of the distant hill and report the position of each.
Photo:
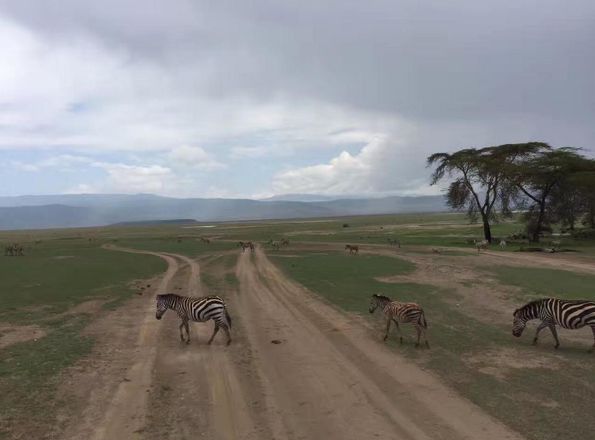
(58, 211)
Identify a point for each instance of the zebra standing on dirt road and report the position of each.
(198, 310)
(396, 312)
(552, 311)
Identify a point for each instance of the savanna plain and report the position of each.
(83, 357)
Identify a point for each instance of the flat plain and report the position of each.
(82, 356)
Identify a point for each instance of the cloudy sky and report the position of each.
(254, 98)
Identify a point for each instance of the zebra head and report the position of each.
(377, 301)
(162, 306)
(519, 322)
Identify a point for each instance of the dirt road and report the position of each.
(297, 369)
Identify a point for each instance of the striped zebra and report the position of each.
(551, 311)
(198, 310)
(396, 312)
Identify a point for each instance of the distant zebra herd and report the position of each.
(14, 250)
(246, 245)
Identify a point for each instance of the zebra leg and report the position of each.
(593, 347)
(187, 332)
(426, 338)
(215, 331)
(418, 330)
(555, 334)
(539, 329)
(388, 321)
(399, 330)
(226, 330)
(181, 332)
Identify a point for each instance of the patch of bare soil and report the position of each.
(500, 363)
(13, 334)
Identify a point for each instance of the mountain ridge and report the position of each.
(58, 211)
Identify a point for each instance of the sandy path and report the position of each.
(126, 413)
(329, 372)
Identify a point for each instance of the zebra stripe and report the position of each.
(570, 314)
(396, 312)
(198, 310)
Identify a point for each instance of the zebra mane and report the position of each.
(529, 305)
(381, 297)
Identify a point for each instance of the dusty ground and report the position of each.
(325, 376)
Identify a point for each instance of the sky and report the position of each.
(191, 98)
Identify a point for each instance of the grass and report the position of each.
(338, 277)
(465, 348)
(30, 371)
(547, 282)
(54, 276)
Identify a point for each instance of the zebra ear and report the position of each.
(515, 311)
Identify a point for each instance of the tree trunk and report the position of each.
(539, 223)
(487, 232)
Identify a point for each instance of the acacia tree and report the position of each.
(539, 174)
(478, 184)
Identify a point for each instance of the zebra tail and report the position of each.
(422, 320)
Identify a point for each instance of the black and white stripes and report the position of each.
(196, 309)
(551, 311)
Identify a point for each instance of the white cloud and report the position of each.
(194, 157)
(122, 178)
(248, 152)
(384, 165)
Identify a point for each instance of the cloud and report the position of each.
(381, 166)
(249, 152)
(337, 96)
(194, 157)
(123, 178)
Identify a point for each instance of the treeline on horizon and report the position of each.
(550, 185)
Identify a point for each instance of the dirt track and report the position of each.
(329, 377)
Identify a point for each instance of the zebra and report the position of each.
(483, 244)
(570, 314)
(284, 242)
(394, 242)
(353, 249)
(198, 310)
(275, 245)
(396, 312)
(246, 245)
(502, 244)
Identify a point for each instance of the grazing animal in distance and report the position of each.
(198, 310)
(483, 244)
(436, 251)
(285, 242)
(247, 245)
(502, 244)
(400, 312)
(353, 249)
(205, 240)
(394, 242)
(570, 314)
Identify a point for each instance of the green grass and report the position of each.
(54, 276)
(338, 277)
(30, 371)
(547, 282)
(457, 336)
